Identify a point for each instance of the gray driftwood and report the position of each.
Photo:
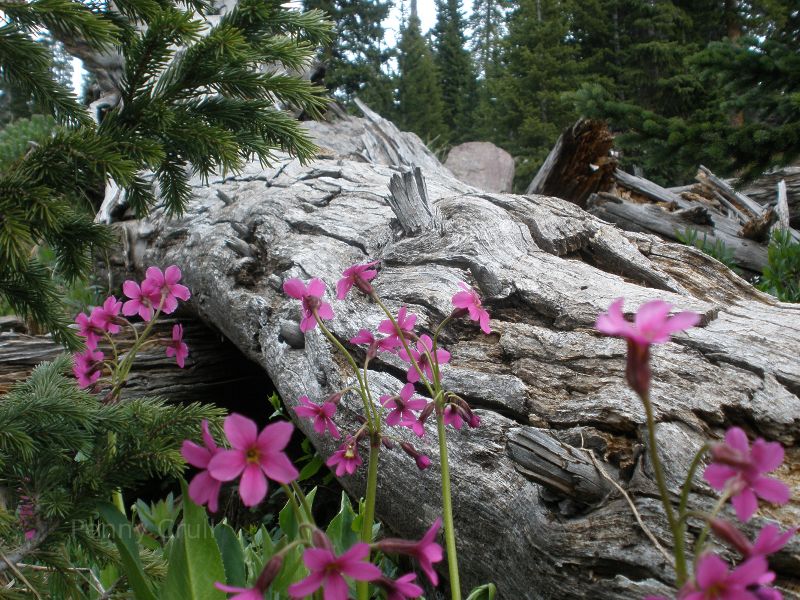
(533, 513)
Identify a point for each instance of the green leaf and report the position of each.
(232, 554)
(287, 519)
(486, 591)
(122, 532)
(195, 562)
(311, 468)
(341, 529)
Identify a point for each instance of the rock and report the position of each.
(483, 165)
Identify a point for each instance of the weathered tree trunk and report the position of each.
(534, 513)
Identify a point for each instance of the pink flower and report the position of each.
(165, 285)
(770, 540)
(203, 489)
(359, 276)
(426, 551)
(469, 300)
(651, 326)
(90, 328)
(320, 413)
(741, 469)
(255, 456)
(420, 354)
(177, 347)
(87, 367)
(416, 425)
(327, 572)
(365, 337)
(452, 416)
(400, 588)
(346, 458)
(423, 462)
(239, 593)
(402, 405)
(311, 297)
(405, 323)
(143, 300)
(107, 314)
(713, 580)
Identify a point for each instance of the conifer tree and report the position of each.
(355, 60)
(456, 70)
(418, 92)
(487, 23)
(539, 71)
(208, 108)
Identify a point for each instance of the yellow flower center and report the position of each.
(253, 455)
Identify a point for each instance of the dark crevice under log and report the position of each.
(546, 269)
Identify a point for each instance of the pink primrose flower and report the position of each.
(469, 300)
(328, 570)
(405, 322)
(770, 540)
(346, 458)
(423, 462)
(177, 347)
(144, 299)
(652, 325)
(311, 298)
(321, 414)
(426, 550)
(87, 367)
(107, 315)
(452, 416)
(420, 353)
(359, 276)
(402, 405)
(736, 466)
(365, 336)
(166, 286)
(713, 580)
(417, 425)
(203, 489)
(90, 328)
(255, 456)
(400, 588)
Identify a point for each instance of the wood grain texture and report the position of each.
(546, 269)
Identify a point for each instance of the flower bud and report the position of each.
(426, 412)
(423, 462)
(269, 572)
(731, 535)
(320, 540)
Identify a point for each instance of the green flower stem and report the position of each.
(701, 539)
(121, 374)
(674, 525)
(447, 508)
(362, 587)
(118, 501)
(370, 416)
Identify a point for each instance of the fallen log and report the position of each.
(533, 512)
(215, 371)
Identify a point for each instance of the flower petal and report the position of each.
(253, 485)
(745, 504)
(771, 490)
(294, 288)
(279, 468)
(711, 569)
(195, 455)
(318, 559)
(316, 287)
(226, 465)
(767, 456)
(737, 439)
(241, 431)
(275, 437)
(307, 586)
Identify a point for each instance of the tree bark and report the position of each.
(534, 514)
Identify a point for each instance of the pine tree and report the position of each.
(418, 92)
(487, 23)
(206, 109)
(356, 59)
(540, 70)
(456, 70)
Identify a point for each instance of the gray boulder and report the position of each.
(483, 165)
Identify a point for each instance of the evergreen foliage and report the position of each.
(62, 452)
(356, 57)
(539, 70)
(781, 276)
(456, 71)
(419, 94)
(207, 108)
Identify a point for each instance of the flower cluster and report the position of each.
(394, 335)
(158, 293)
(254, 457)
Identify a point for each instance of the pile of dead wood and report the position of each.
(582, 169)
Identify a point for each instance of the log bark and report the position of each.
(533, 512)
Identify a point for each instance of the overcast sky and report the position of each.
(427, 15)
